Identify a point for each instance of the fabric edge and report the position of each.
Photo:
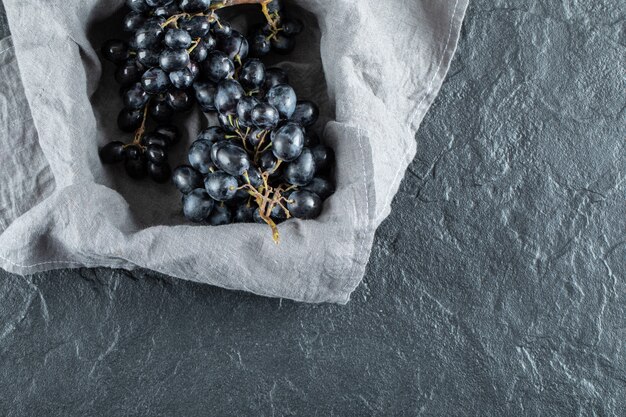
(456, 22)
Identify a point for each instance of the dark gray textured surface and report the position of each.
(496, 287)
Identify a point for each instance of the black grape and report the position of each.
(112, 152)
(221, 186)
(115, 51)
(173, 59)
(129, 120)
(283, 97)
(218, 66)
(136, 97)
(155, 81)
(288, 141)
(178, 39)
(304, 204)
(231, 159)
(306, 113)
(200, 156)
(197, 205)
(320, 186)
(229, 92)
(302, 170)
(220, 216)
(274, 77)
(187, 179)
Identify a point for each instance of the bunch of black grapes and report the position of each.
(263, 162)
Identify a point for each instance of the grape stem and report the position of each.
(142, 129)
(272, 19)
(194, 44)
(268, 197)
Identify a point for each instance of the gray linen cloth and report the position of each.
(375, 67)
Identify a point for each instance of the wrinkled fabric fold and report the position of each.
(374, 72)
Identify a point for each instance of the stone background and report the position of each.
(496, 287)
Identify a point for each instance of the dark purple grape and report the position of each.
(194, 6)
(231, 158)
(155, 81)
(177, 39)
(127, 73)
(200, 156)
(135, 164)
(269, 163)
(179, 100)
(156, 154)
(217, 66)
(221, 186)
(288, 141)
(220, 216)
(112, 152)
(136, 98)
(324, 158)
(244, 110)
(222, 28)
(133, 21)
(148, 57)
(132, 152)
(283, 97)
(173, 59)
(149, 36)
(129, 120)
(304, 204)
(160, 173)
(243, 213)
(186, 179)
(155, 139)
(170, 132)
(212, 134)
(291, 27)
(205, 95)
(229, 92)
(197, 205)
(282, 44)
(138, 6)
(320, 186)
(200, 52)
(166, 11)
(302, 170)
(260, 45)
(274, 77)
(252, 74)
(197, 26)
(160, 111)
(234, 45)
(306, 113)
(265, 116)
(182, 79)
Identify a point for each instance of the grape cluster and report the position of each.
(262, 162)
